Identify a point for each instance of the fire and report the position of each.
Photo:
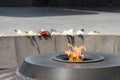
(76, 53)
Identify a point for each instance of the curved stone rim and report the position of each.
(89, 58)
(43, 67)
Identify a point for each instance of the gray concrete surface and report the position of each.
(104, 20)
(7, 52)
(13, 50)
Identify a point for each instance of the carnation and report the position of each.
(93, 32)
(69, 32)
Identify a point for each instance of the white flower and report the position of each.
(69, 32)
(93, 32)
(65, 32)
(20, 32)
(25, 32)
(79, 32)
(55, 33)
(39, 34)
(31, 33)
(42, 30)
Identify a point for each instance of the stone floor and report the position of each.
(105, 20)
(11, 74)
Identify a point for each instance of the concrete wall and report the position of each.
(13, 50)
(60, 3)
(18, 3)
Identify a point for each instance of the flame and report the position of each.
(76, 53)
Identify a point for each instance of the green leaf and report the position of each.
(15, 30)
(53, 30)
(83, 30)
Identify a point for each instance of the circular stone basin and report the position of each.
(89, 58)
(97, 66)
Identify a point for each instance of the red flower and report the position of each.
(44, 33)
